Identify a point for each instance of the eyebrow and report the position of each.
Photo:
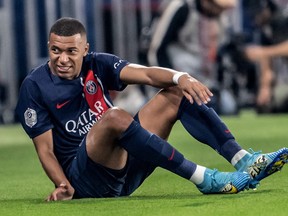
(54, 46)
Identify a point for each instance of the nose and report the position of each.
(63, 57)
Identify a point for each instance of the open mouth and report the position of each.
(62, 69)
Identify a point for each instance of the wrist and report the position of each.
(177, 76)
(64, 184)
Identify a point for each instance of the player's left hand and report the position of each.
(194, 90)
(63, 192)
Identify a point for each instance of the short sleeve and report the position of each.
(108, 67)
(31, 110)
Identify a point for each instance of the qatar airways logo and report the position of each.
(86, 120)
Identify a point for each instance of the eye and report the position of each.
(55, 50)
(72, 51)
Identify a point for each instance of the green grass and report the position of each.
(24, 185)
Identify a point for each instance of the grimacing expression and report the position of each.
(66, 54)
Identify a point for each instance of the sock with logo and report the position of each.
(205, 125)
(148, 147)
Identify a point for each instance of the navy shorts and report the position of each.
(92, 180)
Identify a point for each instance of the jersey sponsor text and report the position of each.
(86, 120)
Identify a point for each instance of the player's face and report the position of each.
(66, 55)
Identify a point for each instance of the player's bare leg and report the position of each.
(101, 141)
(160, 113)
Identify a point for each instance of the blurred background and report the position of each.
(125, 28)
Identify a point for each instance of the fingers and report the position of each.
(198, 98)
(57, 192)
(63, 192)
(51, 197)
(197, 92)
(48, 199)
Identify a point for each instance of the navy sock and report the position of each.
(205, 125)
(148, 147)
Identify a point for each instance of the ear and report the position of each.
(86, 49)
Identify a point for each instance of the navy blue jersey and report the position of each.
(48, 102)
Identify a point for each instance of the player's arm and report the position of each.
(161, 77)
(44, 147)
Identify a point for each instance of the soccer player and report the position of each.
(88, 148)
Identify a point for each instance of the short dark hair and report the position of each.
(67, 26)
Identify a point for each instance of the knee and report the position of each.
(174, 95)
(175, 90)
(116, 119)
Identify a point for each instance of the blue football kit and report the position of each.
(70, 108)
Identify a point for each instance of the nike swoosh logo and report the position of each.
(60, 105)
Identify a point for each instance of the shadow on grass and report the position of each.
(135, 198)
(4, 201)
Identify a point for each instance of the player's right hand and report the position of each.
(63, 192)
(194, 90)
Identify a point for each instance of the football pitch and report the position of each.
(24, 185)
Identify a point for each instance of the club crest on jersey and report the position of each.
(30, 116)
(91, 87)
